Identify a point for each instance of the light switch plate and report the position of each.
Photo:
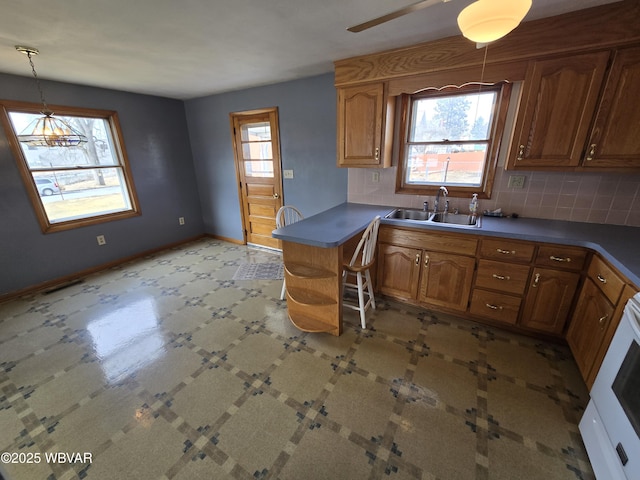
(287, 173)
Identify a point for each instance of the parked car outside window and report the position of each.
(47, 186)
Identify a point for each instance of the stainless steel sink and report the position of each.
(409, 214)
(459, 220)
(450, 219)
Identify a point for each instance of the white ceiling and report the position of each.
(191, 48)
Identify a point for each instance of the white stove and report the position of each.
(610, 426)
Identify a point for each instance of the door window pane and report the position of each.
(256, 131)
(257, 151)
(258, 169)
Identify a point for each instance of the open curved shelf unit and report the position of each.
(302, 270)
(309, 298)
(307, 324)
(313, 278)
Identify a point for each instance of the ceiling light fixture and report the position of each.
(47, 130)
(485, 21)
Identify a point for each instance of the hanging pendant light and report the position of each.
(47, 130)
(485, 21)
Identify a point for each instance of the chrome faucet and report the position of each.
(445, 192)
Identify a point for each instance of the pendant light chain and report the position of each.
(35, 75)
(47, 131)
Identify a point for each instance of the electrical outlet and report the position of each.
(287, 173)
(516, 181)
(375, 177)
(101, 240)
(181, 220)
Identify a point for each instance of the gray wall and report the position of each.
(170, 181)
(307, 117)
(157, 143)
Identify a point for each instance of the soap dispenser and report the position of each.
(473, 205)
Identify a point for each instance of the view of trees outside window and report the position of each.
(76, 182)
(448, 139)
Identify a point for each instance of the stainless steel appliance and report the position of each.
(610, 427)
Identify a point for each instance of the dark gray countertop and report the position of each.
(620, 245)
(332, 227)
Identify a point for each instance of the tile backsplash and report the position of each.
(581, 197)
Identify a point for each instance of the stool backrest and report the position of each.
(287, 215)
(367, 246)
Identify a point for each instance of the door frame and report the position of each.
(277, 166)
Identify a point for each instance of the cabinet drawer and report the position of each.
(507, 250)
(606, 279)
(502, 276)
(495, 306)
(558, 256)
(435, 242)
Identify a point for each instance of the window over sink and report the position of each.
(451, 137)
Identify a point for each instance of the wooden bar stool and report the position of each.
(355, 274)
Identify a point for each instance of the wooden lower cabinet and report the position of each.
(398, 271)
(446, 280)
(431, 269)
(548, 302)
(597, 314)
(495, 306)
(588, 326)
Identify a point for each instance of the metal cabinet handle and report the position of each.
(501, 277)
(602, 321)
(559, 259)
(536, 280)
(601, 278)
(506, 252)
(520, 153)
(426, 260)
(592, 152)
(276, 195)
(417, 259)
(377, 154)
(493, 307)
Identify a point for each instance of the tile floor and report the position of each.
(166, 368)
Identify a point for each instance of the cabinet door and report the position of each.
(614, 140)
(446, 280)
(549, 300)
(362, 120)
(588, 326)
(398, 271)
(558, 102)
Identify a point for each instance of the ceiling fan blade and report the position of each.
(398, 13)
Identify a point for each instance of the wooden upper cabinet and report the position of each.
(614, 140)
(365, 126)
(559, 98)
